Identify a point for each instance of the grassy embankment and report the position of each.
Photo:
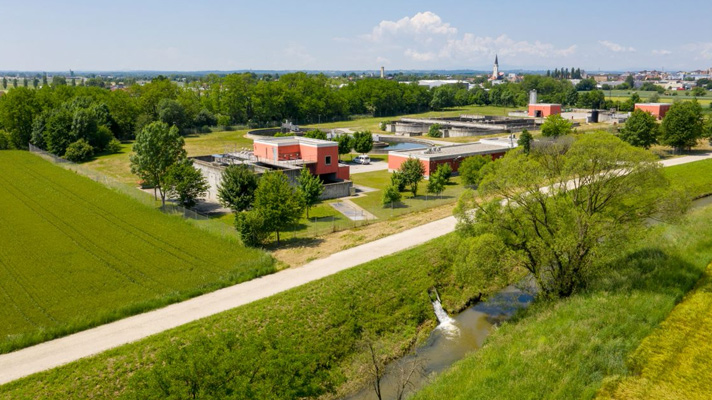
(306, 342)
(309, 340)
(569, 348)
(75, 254)
(674, 362)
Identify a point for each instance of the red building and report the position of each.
(320, 156)
(544, 110)
(657, 109)
(453, 155)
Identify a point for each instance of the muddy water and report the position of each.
(451, 341)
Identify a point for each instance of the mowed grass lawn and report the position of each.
(372, 201)
(74, 254)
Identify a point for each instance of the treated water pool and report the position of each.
(403, 146)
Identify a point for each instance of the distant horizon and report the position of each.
(418, 35)
(341, 71)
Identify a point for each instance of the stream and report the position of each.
(457, 336)
(451, 341)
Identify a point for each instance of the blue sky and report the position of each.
(337, 35)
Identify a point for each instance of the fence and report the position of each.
(198, 219)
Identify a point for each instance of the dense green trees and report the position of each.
(471, 167)
(599, 189)
(641, 129)
(157, 148)
(683, 125)
(345, 144)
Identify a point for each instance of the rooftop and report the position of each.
(485, 146)
(295, 140)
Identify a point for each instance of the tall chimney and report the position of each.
(383, 72)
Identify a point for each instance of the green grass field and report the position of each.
(305, 342)
(371, 201)
(570, 349)
(674, 362)
(75, 254)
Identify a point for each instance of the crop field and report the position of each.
(673, 362)
(75, 254)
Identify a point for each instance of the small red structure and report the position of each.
(453, 155)
(320, 156)
(544, 110)
(657, 109)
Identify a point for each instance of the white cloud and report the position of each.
(418, 56)
(615, 47)
(662, 52)
(472, 46)
(421, 24)
(425, 37)
(701, 50)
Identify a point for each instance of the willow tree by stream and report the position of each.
(561, 209)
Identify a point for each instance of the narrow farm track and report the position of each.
(61, 351)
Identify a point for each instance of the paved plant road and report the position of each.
(64, 350)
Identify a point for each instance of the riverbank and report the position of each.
(568, 348)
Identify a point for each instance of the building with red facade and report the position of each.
(453, 155)
(320, 156)
(657, 109)
(544, 110)
(286, 154)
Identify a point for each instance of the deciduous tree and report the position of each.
(310, 187)
(186, 183)
(412, 171)
(157, 148)
(640, 130)
(557, 213)
(555, 125)
(277, 202)
(682, 125)
(362, 142)
(471, 167)
(237, 187)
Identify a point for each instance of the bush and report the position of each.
(434, 131)
(398, 181)
(250, 226)
(444, 170)
(114, 146)
(4, 141)
(224, 121)
(79, 151)
(391, 195)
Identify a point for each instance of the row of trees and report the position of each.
(681, 128)
(268, 203)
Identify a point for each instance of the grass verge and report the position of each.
(673, 362)
(306, 342)
(566, 349)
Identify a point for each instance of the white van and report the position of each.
(362, 159)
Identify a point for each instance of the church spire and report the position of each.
(495, 60)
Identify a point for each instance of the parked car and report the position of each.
(362, 159)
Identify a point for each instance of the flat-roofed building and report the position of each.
(433, 157)
(657, 109)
